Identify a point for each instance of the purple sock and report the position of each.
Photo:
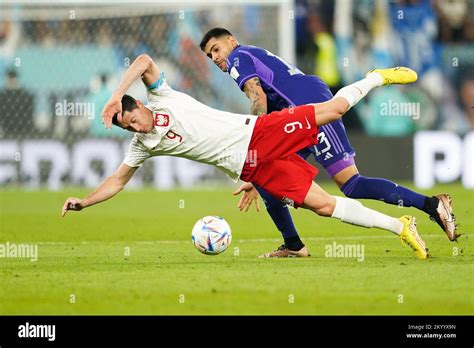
(381, 189)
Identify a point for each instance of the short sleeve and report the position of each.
(136, 154)
(242, 68)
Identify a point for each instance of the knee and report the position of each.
(325, 208)
(340, 107)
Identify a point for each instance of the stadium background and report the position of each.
(59, 63)
(133, 254)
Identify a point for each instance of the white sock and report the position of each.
(353, 212)
(358, 90)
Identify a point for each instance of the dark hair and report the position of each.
(128, 104)
(213, 33)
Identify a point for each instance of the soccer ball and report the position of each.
(211, 235)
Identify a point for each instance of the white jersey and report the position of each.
(187, 128)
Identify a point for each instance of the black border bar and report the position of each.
(241, 330)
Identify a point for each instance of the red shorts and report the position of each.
(272, 162)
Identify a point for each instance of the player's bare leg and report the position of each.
(323, 204)
(350, 95)
(353, 212)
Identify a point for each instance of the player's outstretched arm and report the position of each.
(143, 66)
(350, 95)
(107, 189)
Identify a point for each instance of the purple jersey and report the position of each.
(286, 85)
(283, 83)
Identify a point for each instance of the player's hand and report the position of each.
(250, 195)
(113, 106)
(72, 204)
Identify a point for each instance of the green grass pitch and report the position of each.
(83, 264)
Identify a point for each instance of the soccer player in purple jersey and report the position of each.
(272, 84)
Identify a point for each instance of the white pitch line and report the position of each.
(255, 240)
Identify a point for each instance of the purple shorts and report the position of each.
(333, 151)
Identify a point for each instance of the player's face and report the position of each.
(139, 120)
(219, 49)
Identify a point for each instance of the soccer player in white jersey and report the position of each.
(243, 146)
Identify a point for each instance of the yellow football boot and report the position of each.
(398, 75)
(410, 237)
